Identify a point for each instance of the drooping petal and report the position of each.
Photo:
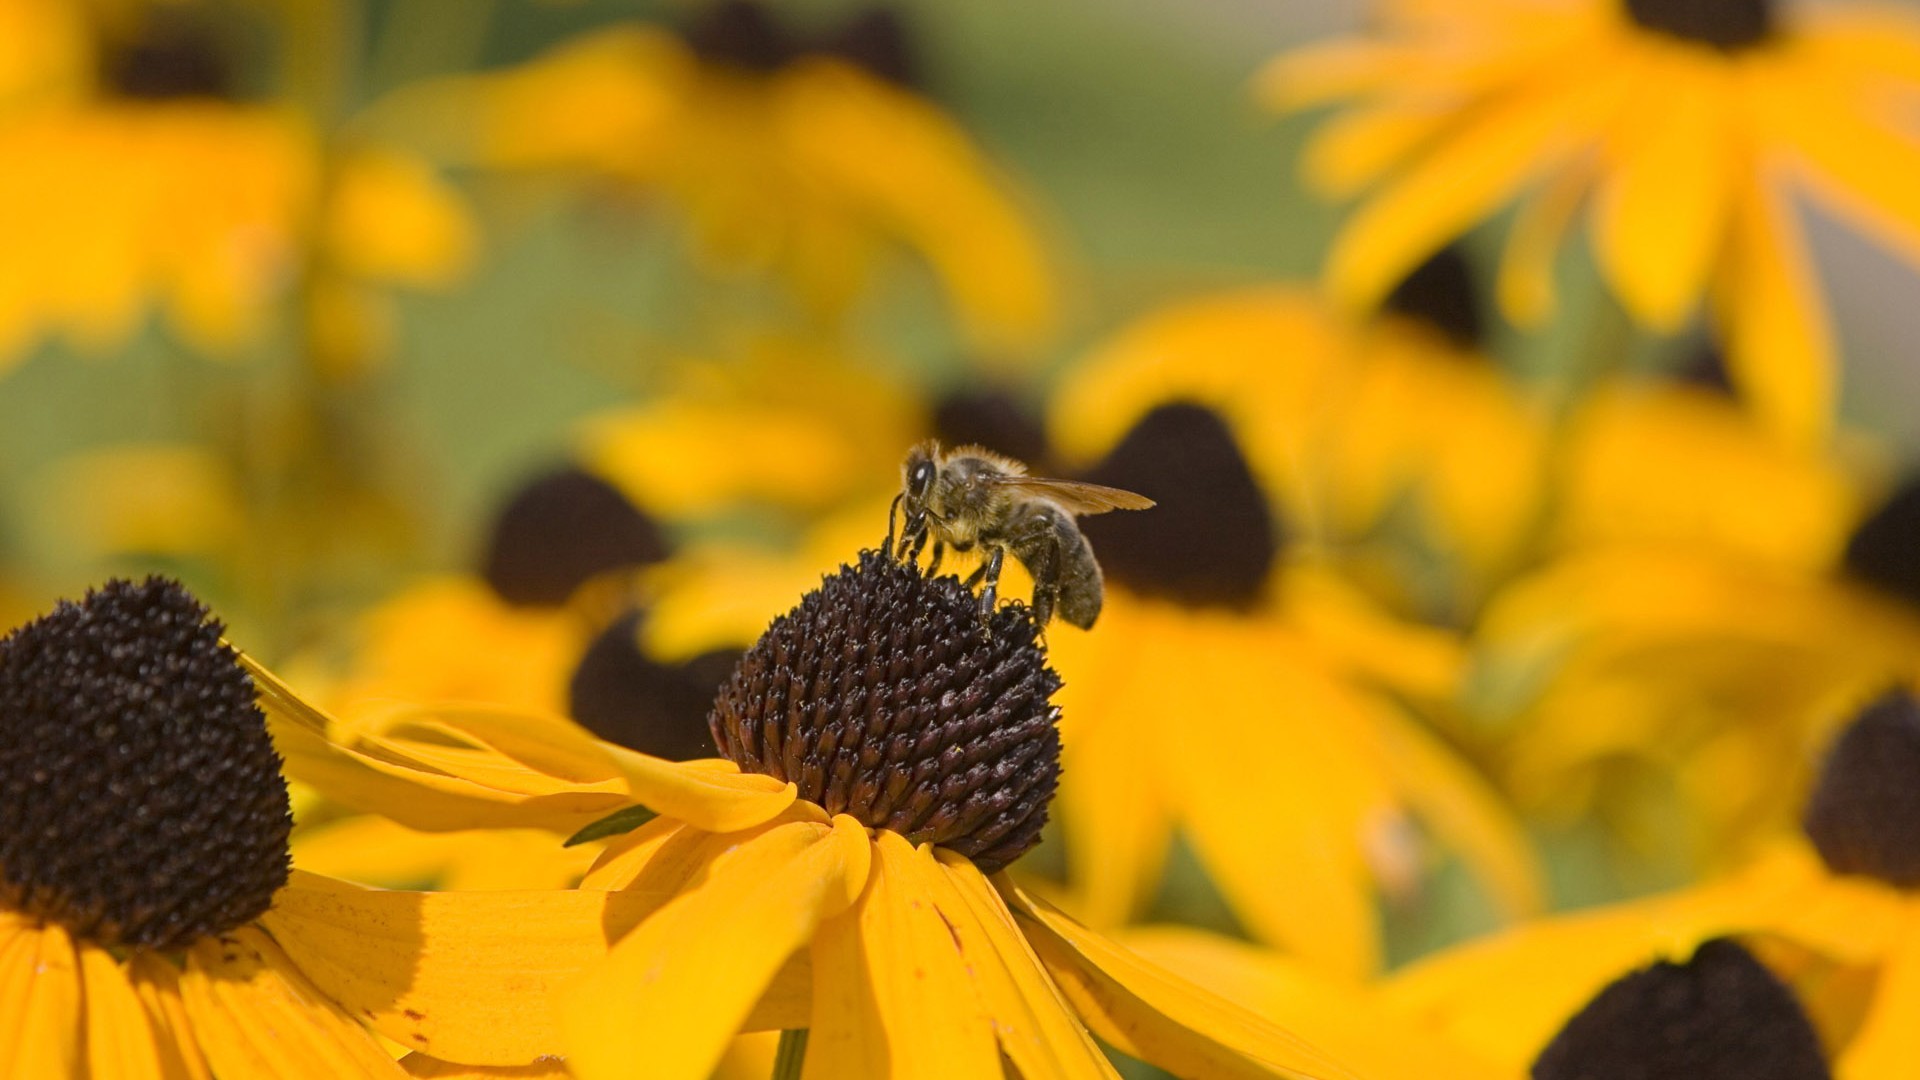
(1660, 204)
(39, 1000)
(1780, 349)
(451, 974)
(676, 989)
(1154, 1015)
(121, 1041)
(1850, 156)
(1038, 1030)
(157, 983)
(1361, 145)
(255, 1014)
(462, 767)
(891, 996)
(1524, 286)
(1492, 155)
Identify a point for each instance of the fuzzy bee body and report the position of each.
(972, 497)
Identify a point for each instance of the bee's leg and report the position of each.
(893, 509)
(920, 533)
(974, 578)
(990, 583)
(1046, 582)
(933, 564)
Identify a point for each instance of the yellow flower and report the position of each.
(143, 850)
(1836, 915)
(885, 757)
(149, 188)
(1686, 131)
(782, 160)
(1303, 681)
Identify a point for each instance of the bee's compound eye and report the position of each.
(922, 476)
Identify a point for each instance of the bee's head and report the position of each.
(918, 473)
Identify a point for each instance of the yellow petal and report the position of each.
(1154, 1015)
(1328, 71)
(891, 996)
(1493, 154)
(1344, 1021)
(1038, 1030)
(675, 990)
(256, 1015)
(1888, 1042)
(1780, 349)
(1661, 203)
(1850, 157)
(121, 1041)
(157, 983)
(451, 974)
(1360, 146)
(39, 1000)
(1524, 287)
(461, 767)
(390, 218)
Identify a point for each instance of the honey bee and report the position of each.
(972, 496)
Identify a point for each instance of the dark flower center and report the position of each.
(1864, 816)
(1441, 294)
(560, 531)
(884, 696)
(1706, 368)
(1884, 550)
(745, 34)
(141, 802)
(1719, 1016)
(1211, 539)
(992, 418)
(625, 697)
(172, 54)
(1724, 24)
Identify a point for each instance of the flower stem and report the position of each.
(791, 1055)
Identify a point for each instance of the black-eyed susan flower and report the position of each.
(1365, 431)
(784, 158)
(1202, 597)
(143, 839)
(1683, 131)
(1833, 913)
(886, 752)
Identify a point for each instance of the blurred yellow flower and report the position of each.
(1346, 423)
(148, 186)
(1686, 130)
(1837, 918)
(783, 161)
(1675, 689)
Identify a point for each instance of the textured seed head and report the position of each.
(141, 802)
(561, 530)
(883, 696)
(1212, 539)
(1864, 816)
(1719, 1016)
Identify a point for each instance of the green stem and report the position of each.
(791, 1055)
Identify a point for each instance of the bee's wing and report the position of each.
(1076, 497)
